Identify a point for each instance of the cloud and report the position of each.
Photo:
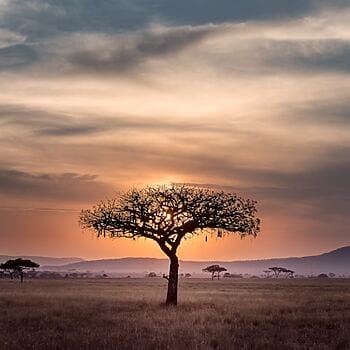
(16, 56)
(254, 37)
(125, 55)
(10, 38)
(50, 124)
(302, 46)
(283, 48)
(38, 209)
(14, 53)
(308, 56)
(317, 193)
(328, 111)
(68, 187)
(44, 18)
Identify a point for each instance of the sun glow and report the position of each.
(168, 180)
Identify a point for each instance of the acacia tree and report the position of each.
(18, 265)
(215, 269)
(168, 214)
(278, 270)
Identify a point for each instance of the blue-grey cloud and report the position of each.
(145, 46)
(39, 21)
(17, 56)
(272, 56)
(307, 55)
(42, 18)
(60, 187)
(322, 192)
(48, 124)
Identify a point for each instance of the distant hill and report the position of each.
(337, 261)
(43, 260)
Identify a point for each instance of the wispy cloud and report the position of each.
(60, 187)
(127, 53)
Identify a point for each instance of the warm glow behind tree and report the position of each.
(168, 214)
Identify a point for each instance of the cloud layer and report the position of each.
(249, 96)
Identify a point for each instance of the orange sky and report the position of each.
(243, 97)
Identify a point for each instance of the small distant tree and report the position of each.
(187, 275)
(214, 269)
(18, 266)
(170, 214)
(278, 270)
(211, 269)
(152, 274)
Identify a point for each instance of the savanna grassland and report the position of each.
(128, 314)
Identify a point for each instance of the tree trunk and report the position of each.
(171, 298)
(21, 274)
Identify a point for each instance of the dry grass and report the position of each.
(127, 314)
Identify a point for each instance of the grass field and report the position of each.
(128, 314)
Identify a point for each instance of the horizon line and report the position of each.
(165, 258)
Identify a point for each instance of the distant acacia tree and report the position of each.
(278, 270)
(215, 269)
(18, 266)
(168, 214)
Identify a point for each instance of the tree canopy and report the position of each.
(18, 265)
(215, 269)
(278, 270)
(167, 214)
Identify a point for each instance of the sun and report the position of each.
(168, 180)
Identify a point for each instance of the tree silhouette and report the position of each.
(168, 214)
(152, 274)
(214, 269)
(278, 270)
(18, 265)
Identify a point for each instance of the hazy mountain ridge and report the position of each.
(43, 260)
(336, 261)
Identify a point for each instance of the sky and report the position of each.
(246, 96)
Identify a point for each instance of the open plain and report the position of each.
(129, 314)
